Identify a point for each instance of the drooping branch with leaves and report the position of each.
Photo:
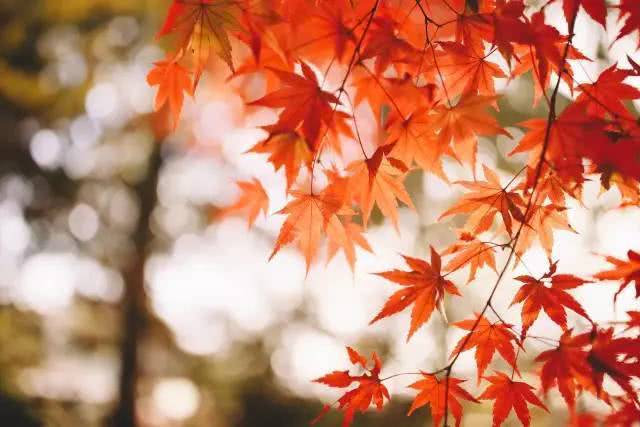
(366, 92)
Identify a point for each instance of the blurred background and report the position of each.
(118, 290)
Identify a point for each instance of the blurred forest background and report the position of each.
(117, 290)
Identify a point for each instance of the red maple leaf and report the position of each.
(423, 286)
(305, 104)
(597, 9)
(626, 415)
(606, 95)
(486, 338)
(431, 390)
(630, 14)
(567, 367)
(616, 358)
(508, 395)
(370, 388)
(634, 320)
(536, 296)
(627, 271)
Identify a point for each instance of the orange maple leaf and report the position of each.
(487, 338)
(345, 235)
(627, 271)
(553, 299)
(540, 223)
(463, 122)
(253, 199)
(305, 104)
(472, 251)
(386, 46)
(508, 395)
(288, 150)
(486, 199)
(431, 390)
(308, 216)
(423, 286)
(467, 71)
(173, 80)
(414, 139)
(370, 388)
(202, 27)
(379, 184)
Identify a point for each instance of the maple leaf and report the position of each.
(553, 299)
(432, 391)
(380, 184)
(202, 27)
(507, 22)
(566, 367)
(543, 48)
(345, 235)
(472, 251)
(308, 216)
(508, 395)
(630, 14)
(173, 80)
(288, 150)
(634, 320)
(463, 122)
(473, 29)
(597, 9)
(414, 140)
(486, 199)
(606, 94)
(384, 44)
(564, 151)
(627, 271)
(467, 71)
(252, 200)
(540, 223)
(304, 103)
(423, 286)
(626, 415)
(486, 339)
(370, 388)
(615, 357)
(331, 30)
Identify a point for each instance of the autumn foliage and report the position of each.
(368, 91)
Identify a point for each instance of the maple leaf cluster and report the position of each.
(365, 92)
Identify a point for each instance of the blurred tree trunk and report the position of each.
(134, 304)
